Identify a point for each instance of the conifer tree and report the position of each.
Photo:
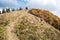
(13, 9)
(20, 9)
(0, 12)
(26, 8)
(3, 11)
(7, 9)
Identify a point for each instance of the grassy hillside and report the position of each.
(47, 16)
(21, 25)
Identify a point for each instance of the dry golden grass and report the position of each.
(20, 25)
(47, 16)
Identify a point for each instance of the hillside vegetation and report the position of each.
(47, 16)
(21, 25)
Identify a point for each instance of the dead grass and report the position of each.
(47, 16)
(25, 26)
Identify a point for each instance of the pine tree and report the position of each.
(7, 9)
(13, 9)
(20, 9)
(3, 11)
(0, 12)
(26, 8)
(17, 9)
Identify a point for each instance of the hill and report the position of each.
(21, 25)
(47, 16)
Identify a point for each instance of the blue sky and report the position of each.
(51, 5)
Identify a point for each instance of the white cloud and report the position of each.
(44, 4)
(58, 5)
(52, 5)
(57, 13)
